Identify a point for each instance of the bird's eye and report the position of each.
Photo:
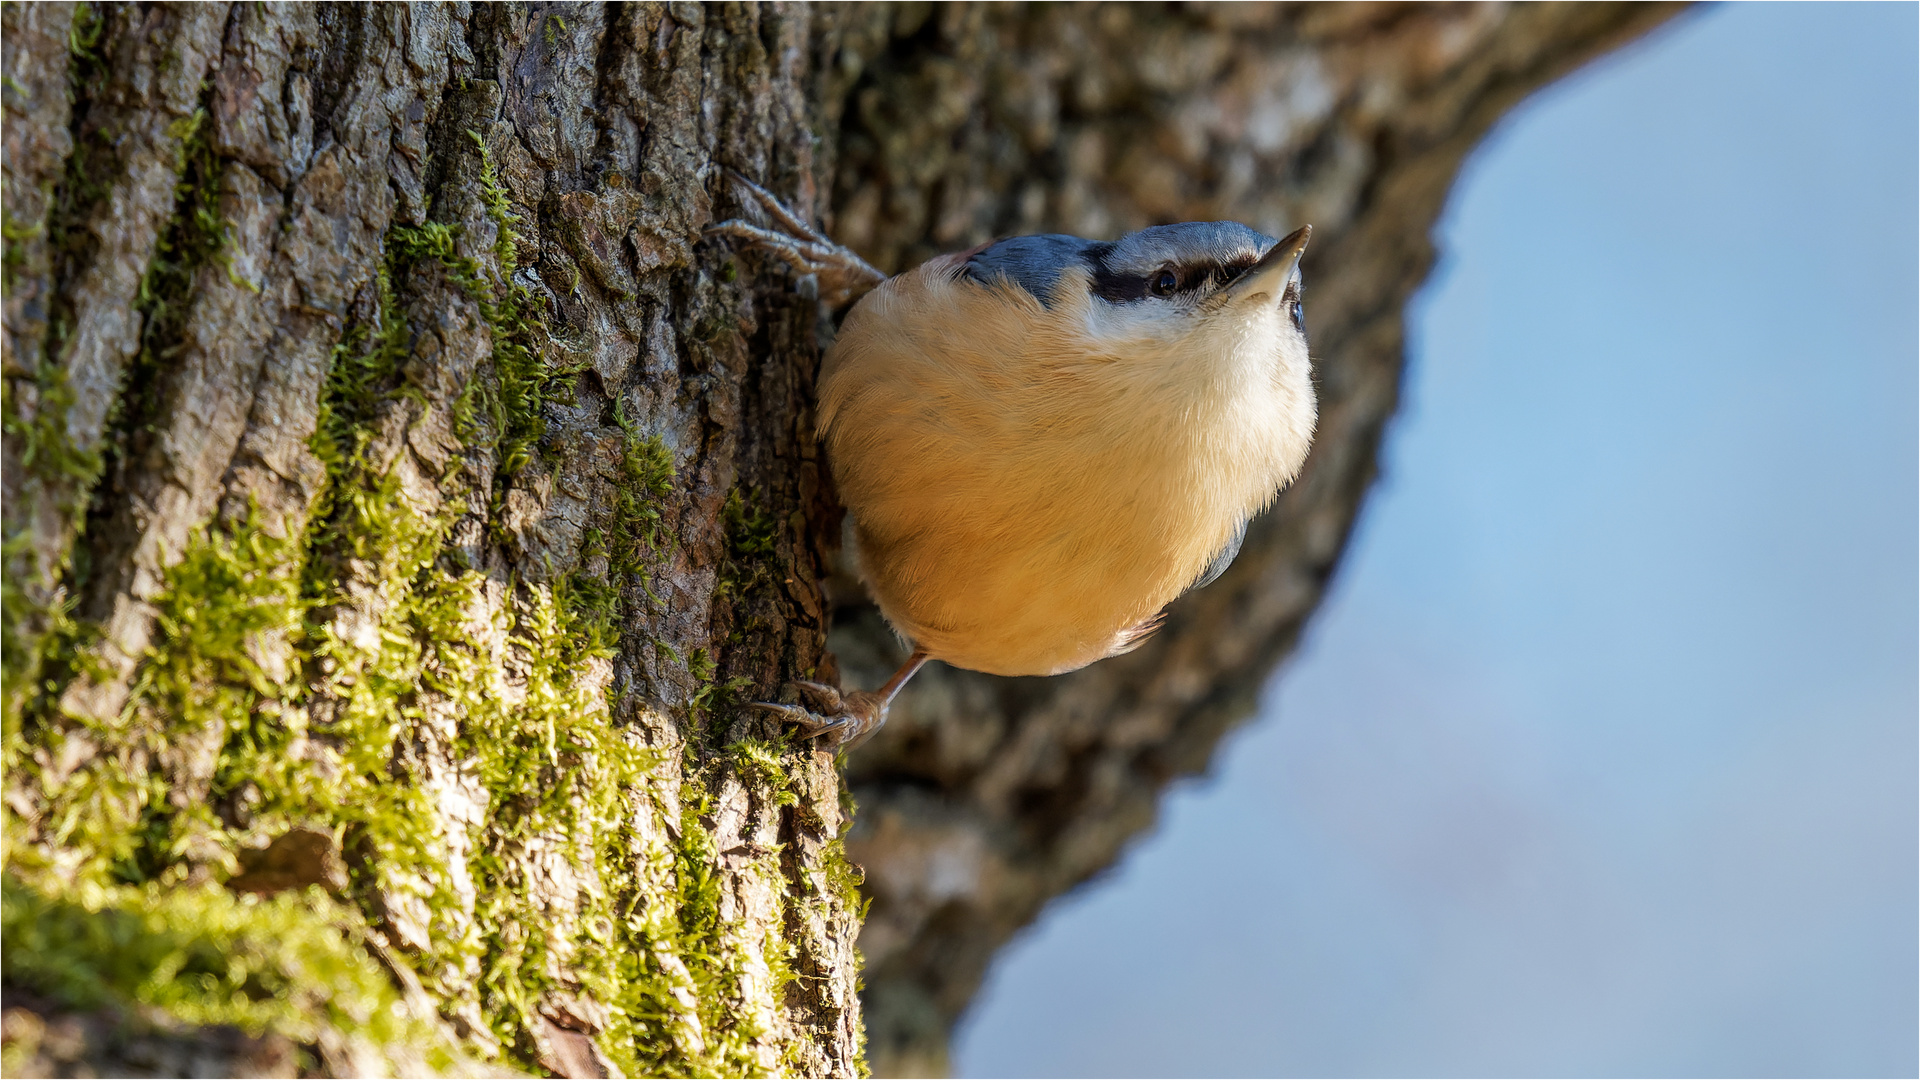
(1165, 282)
(1298, 315)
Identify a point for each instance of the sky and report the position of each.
(1600, 757)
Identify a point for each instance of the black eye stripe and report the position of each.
(1114, 288)
(1117, 287)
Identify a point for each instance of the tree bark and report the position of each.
(402, 497)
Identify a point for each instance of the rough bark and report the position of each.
(401, 496)
(405, 496)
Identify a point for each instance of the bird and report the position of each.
(1044, 440)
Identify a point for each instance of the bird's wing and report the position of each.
(1221, 561)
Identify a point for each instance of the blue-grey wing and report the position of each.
(1221, 561)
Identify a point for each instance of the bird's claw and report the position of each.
(843, 275)
(847, 719)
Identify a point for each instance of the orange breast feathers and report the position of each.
(1028, 489)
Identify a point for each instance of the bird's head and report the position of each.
(1181, 294)
(1201, 270)
(1213, 295)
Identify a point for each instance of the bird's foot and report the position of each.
(847, 720)
(843, 275)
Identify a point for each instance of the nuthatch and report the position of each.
(1044, 440)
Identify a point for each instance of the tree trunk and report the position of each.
(402, 498)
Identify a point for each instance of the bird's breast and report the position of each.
(1021, 505)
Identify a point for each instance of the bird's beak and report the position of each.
(1268, 277)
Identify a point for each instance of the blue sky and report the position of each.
(1601, 756)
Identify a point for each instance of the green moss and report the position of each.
(499, 206)
(647, 477)
(514, 316)
(679, 998)
(37, 667)
(761, 761)
(701, 666)
(844, 878)
(18, 644)
(638, 537)
(83, 38)
(37, 428)
(516, 395)
(102, 812)
(31, 626)
(15, 234)
(225, 630)
(751, 545)
(712, 697)
(289, 964)
(292, 681)
(554, 766)
(359, 377)
(593, 612)
(222, 670)
(46, 450)
(239, 665)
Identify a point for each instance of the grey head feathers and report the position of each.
(1200, 255)
(1032, 262)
